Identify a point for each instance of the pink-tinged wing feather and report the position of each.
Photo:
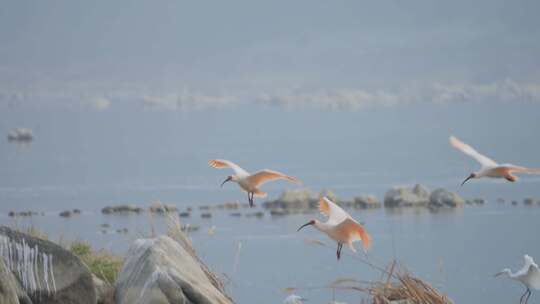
(463, 147)
(266, 175)
(222, 163)
(352, 231)
(519, 169)
(335, 214)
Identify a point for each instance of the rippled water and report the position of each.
(90, 160)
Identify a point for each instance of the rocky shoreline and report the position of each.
(300, 201)
(160, 270)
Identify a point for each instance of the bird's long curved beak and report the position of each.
(306, 224)
(498, 274)
(468, 178)
(228, 179)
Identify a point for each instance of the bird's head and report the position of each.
(505, 271)
(312, 222)
(229, 178)
(472, 175)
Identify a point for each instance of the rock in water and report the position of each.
(47, 273)
(161, 271)
(443, 198)
(300, 199)
(404, 197)
(366, 202)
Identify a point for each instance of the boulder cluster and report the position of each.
(161, 270)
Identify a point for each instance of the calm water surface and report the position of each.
(88, 160)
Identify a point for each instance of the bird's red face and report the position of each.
(312, 222)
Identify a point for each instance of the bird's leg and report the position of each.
(523, 295)
(528, 295)
(338, 253)
(250, 196)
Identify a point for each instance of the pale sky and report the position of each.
(333, 53)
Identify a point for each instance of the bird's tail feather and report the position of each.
(366, 239)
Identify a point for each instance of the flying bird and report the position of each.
(489, 167)
(529, 276)
(340, 226)
(250, 182)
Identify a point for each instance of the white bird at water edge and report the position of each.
(529, 276)
(490, 168)
(340, 226)
(250, 182)
(294, 299)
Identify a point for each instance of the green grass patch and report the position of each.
(103, 264)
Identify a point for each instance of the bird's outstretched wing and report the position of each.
(334, 212)
(518, 169)
(353, 231)
(221, 163)
(267, 175)
(532, 272)
(463, 147)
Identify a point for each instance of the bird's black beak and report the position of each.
(306, 224)
(228, 179)
(468, 178)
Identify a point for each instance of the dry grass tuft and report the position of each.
(396, 287)
(407, 289)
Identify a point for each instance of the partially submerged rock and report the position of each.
(294, 199)
(69, 213)
(47, 272)
(162, 208)
(24, 213)
(189, 228)
(475, 201)
(258, 214)
(419, 196)
(366, 202)
(121, 209)
(529, 201)
(162, 271)
(65, 213)
(404, 197)
(20, 134)
(278, 212)
(231, 205)
(444, 198)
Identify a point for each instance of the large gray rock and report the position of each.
(47, 273)
(162, 271)
(103, 291)
(11, 291)
(366, 202)
(301, 199)
(443, 198)
(404, 197)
